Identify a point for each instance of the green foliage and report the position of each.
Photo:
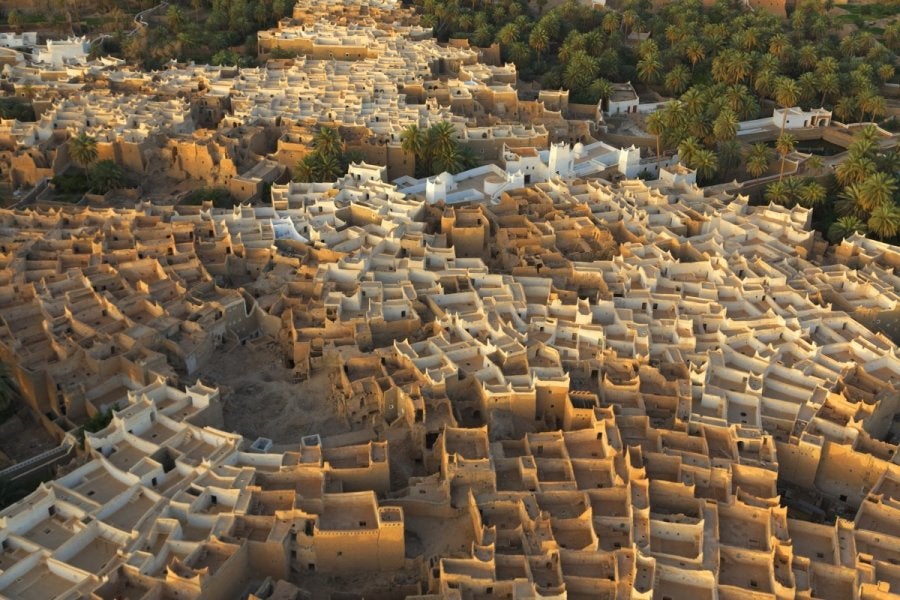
(99, 420)
(220, 197)
(866, 194)
(802, 60)
(11, 108)
(105, 176)
(226, 36)
(844, 227)
(228, 58)
(329, 159)
(72, 182)
(757, 159)
(82, 149)
(437, 149)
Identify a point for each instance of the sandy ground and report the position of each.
(261, 400)
(428, 536)
(377, 586)
(626, 125)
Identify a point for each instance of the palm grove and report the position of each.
(723, 64)
(435, 149)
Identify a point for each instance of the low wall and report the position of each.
(421, 508)
(626, 141)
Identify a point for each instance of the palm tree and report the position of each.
(327, 141)
(851, 201)
(694, 52)
(701, 129)
(885, 221)
(451, 161)
(693, 103)
(778, 45)
(678, 79)
(572, 44)
(844, 227)
(601, 89)
(721, 69)
(740, 67)
(648, 67)
(892, 36)
(675, 117)
(539, 40)
(757, 160)
(580, 71)
(304, 170)
(654, 125)
(468, 157)
(706, 163)
(519, 53)
(786, 94)
(829, 85)
(629, 20)
(83, 149)
(688, 149)
(328, 167)
(812, 194)
(741, 102)
(412, 140)
(878, 189)
(770, 63)
(784, 146)
(175, 18)
(748, 39)
(778, 192)
(593, 42)
(508, 34)
(725, 126)
(648, 47)
(729, 155)
(674, 34)
(855, 169)
(827, 64)
(764, 84)
(814, 163)
(716, 34)
(808, 84)
(442, 138)
(874, 104)
(610, 22)
(106, 175)
(867, 135)
(889, 161)
(807, 56)
(845, 107)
